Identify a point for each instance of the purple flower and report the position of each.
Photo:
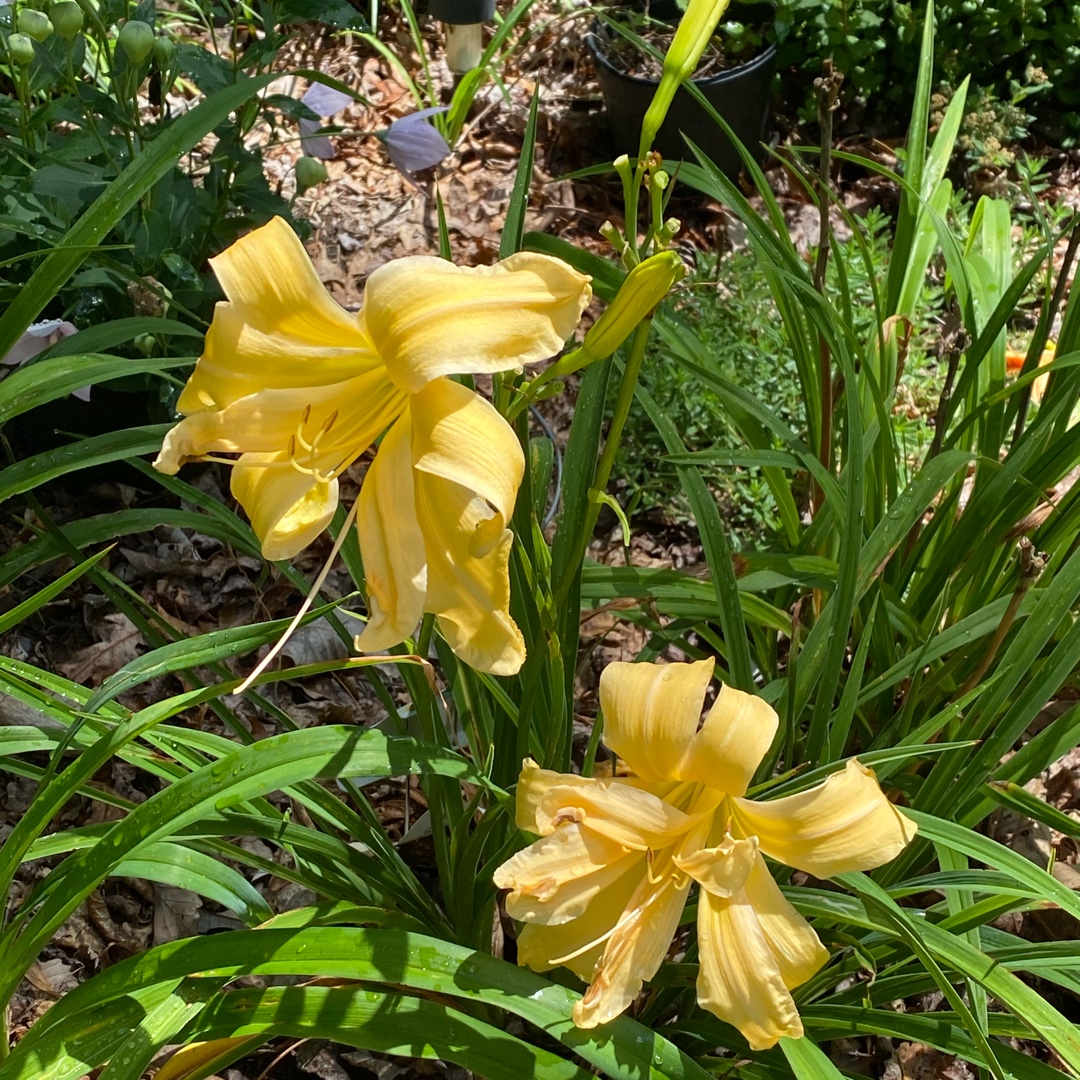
(414, 144)
(37, 339)
(326, 101)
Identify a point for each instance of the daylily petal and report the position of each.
(651, 712)
(459, 436)
(428, 317)
(739, 979)
(554, 880)
(533, 784)
(391, 544)
(844, 824)
(633, 953)
(731, 743)
(280, 327)
(288, 509)
(339, 422)
(578, 945)
(467, 468)
(796, 948)
(625, 814)
(721, 870)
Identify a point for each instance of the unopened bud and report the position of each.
(695, 30)
(644, 287)
(136, 39)
(21, 48)
(34, 24)
(309, 172)
(67, 19)
(164, 51)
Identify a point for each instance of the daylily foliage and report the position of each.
(603, 889)
(301, 388)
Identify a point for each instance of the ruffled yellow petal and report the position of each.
(288, 509)
(338, 423)
(797, 950)
(467, 468)
(841, 825)
(280, 327)
(651, 716)
(579, 944)
(428, 317)
(391, 544)
(739, 979)
(633, 953)
(733, 740)
(721, 870)
(554, 880)
(651, 712)
(533, 784)
(625, 814)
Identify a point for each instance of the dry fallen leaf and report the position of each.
(118, 645)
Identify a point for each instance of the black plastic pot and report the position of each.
(741, 95)
(462, 12)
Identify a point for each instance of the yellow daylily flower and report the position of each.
(602, 891)
(300, 388)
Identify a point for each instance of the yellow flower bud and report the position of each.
(645, 286)
(696, 28)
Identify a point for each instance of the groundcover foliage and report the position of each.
(913, 616)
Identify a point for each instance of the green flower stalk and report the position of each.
(697, 27)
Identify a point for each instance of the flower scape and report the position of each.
(300, 388)
(603, 889)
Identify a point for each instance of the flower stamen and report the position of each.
(627, 917)
(310, 449)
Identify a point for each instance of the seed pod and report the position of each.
(164, 51)
(67, 19)
(309, 172)
(21, 48)
(137, 41)
(34, 24)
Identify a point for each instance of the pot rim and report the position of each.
(592, 39)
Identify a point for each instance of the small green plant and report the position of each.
(88, 92)
(1016, 52)
(740, 337)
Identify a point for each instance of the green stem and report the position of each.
(25, 130)
(423, 639)
(88, 116)
(618, 421)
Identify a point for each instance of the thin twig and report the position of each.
(828, 96)
(1030, 569)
